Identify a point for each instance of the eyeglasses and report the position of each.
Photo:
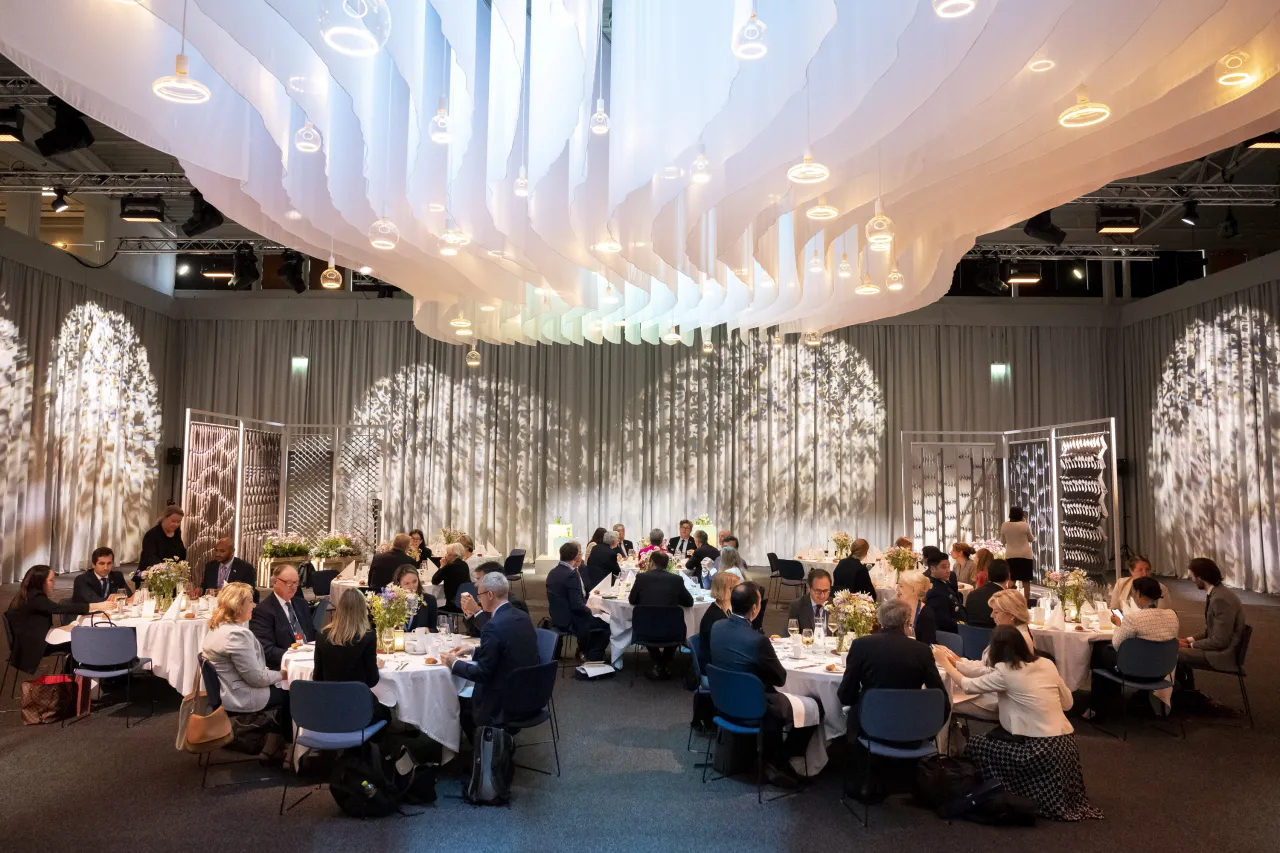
(485, 592)
(286, 583)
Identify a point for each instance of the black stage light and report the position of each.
(1041, 227)
(11, 119)
(1024, 272)
(987, 276)
(136, 208)
(291, 270)
(69, 131)
(59, 202)
(1269, 140)
(1114, 219)
(1229, 227)
(1191, 211)
(244, 268)
(204, 216)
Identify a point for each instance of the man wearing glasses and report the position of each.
(282, 618)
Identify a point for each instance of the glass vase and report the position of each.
(842, 642)
(386, 640)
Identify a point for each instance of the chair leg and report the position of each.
(715, 736)
(760, 767)
(284, 792)
(1244, 696)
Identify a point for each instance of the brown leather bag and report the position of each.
(199, 733)
(52, 698)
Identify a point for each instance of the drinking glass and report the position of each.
(444, 627)
(806, 637)
(793, 627)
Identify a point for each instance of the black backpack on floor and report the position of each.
(492, 768)
(360, 784)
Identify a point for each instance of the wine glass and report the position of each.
(833, 624)
(793, 627)
(806, 638)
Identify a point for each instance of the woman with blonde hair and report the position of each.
(346, 647)
(1008, 608)
(981, 563)
(245, 682)
(453, 573)
(913, 586)
(721, 589)
(162, 542)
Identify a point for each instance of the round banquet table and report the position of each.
(423, 694)
(617, 611)
(172, 644)
(340, 587)
(1072, 650)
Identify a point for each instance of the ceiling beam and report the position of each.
(1047, 252)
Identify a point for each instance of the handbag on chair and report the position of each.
(199, 733)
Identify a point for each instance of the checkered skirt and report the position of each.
(1046, 769)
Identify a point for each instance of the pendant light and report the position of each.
(953, 8)
(355, 27)
(610, 296)
(867, 287)
(307, 139)
(879, 230)
(673, 336)
(438, 129)
(813, 339)
(1084, 113)
(815, 264)
(895, 279)
(383, 233)
(331, 279)
(600, 119)
(845, 270)
(181, 87)
(700, 173)
(460, 322)
(749, 41)
(822, 210)
(1232, 70)
(807, 171)
(707, 347)
(521, 185)
(473, 358)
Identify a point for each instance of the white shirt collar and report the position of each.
(284, 603)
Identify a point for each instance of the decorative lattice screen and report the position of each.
(210, 495)
(955, 493)
(309, 484)
(260, 499)
(359, 482)
(1031, 487)
(1084, 501)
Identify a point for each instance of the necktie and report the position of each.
(223, 571)
(293, 619)
(106, 586)
(817, 614)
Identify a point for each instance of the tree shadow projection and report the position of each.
(15, 426)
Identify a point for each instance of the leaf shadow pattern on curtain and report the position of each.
(15, 425)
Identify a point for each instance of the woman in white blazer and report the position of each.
(245, 682)
(1033, 751)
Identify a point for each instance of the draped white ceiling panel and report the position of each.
(940, 117)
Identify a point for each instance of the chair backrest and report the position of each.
(513, 566)
(1243, 649)
(323, 581)
(975, 639)
(528, 691)
(330, 706)
(212, 687)
(1147, 658)
(657, 625)
(952, 641)
(694, 643)
(546, 644)
(773, 563)
(104, 647)
(738, 695)
(320, 616)
(889, 714)
(470, 587)
(791, 570)
(8, 633)
(758, 622)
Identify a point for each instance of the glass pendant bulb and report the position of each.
(448, 244)
(473, 358)
(822, 210)
(672, 337)
(879, 230)
(460, 322)
(331, 279)
(521, 185)
(812, 339)
(384, 234)
(610, 297)
(181, 87)
(815, 264)
(868, 287)
(701, 171)
(807, 171)
(1084, 113)
(896, 280)
(749, 41)
(307, 139)
(845, 270)
(438, 129)
(707, 347)
(599, 119)
(355, 27)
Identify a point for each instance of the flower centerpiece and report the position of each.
(335, 545)
(1069, 588)
(995, 546)
(843, 542)
(391, 608)
(449, 535)
(856, 614)
(279, 546)
(164, 580)
(702, 519)
(901, 560)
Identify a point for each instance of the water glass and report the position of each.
(793, 627)
(806, 638)
(445, 627)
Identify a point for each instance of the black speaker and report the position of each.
(173, 456)
(1122, 467)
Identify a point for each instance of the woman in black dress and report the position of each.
(418, 549)
(851, 574)
(407, 578)
(162, 542)
(453, 573)
(31, 614)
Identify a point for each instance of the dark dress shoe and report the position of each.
(780, 779)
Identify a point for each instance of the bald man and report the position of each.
(226, 567)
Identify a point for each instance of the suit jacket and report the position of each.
(977, 607)
(659, 588)
(945, 604)
(244, 676)
(426, 616)
(1223, 628)
(241, 572)
(851, 574)
(271, 626)
(891, 660)
(926, 629)
(738, 647)
(673, 544)
(354, 661)
(452, 575)
(31, 622)
(626, 546)
(601, 562)
(475, 624)
(88, 588)
(508, 642)
(566, 598)
(696, 558)
(802, 611)
(382, 568)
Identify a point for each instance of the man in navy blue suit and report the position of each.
(283, 617)
(507, 643)
(101, 581)
(567, 601)
(225, 568)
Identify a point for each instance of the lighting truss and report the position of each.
(1045, 252)
(22, 92)
(1144, 194)
(194, 245)
(96, 183)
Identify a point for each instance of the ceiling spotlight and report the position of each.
(895, 280)
(1040, 66)
(1113, 219)
(599, 119)
(307, 139)
(610, 297)
(244, 268)
(204, 216)
(69, 132)
(700, 173)
(822, 210)
(807, 171)
(384, 235)
(1232, 71)
(608, 246)
(521, 186)
(1230, 227)
(331, 279)
(672, 337)
(180, 87)
(292, 270)
(11, 120)
(438, 130)
(473, 358)
(749, 41)
(366, 270)
(1084, 113)
(812, 339)
(815, 263)
(137, 208)
(868, 287)
(1041, 227)
(1024, 272)
(879, 230)
(1191, 212)
(845, 270)
(953, 8)
(355, 27)
(1078, 272)
(183, 269)
(1266, 141)
(59, 202)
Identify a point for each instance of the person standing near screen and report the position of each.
(1016, 536)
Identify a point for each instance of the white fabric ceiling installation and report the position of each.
(942, 118)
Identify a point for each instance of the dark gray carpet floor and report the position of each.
(629, 785)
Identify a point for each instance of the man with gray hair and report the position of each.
(625, 545)
(603, 562)
(507, 643)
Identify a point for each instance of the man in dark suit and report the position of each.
(1216, 647)
(659, 588)
(738, 647)
(225, 568)
(283, 616)
(567, 602)
(810, 610)
(704, 550)
(101, 581)
(476, 618)
(942, 598)
(603, 561)
(682, 544)
(507, 643)
(624, 545)
(977, 606)
(382, 568)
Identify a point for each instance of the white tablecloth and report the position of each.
(617, 611)
(171, 644)
(422, 694)
(1072, 650)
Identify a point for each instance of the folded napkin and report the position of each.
(804, 710)
(1056, 619)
